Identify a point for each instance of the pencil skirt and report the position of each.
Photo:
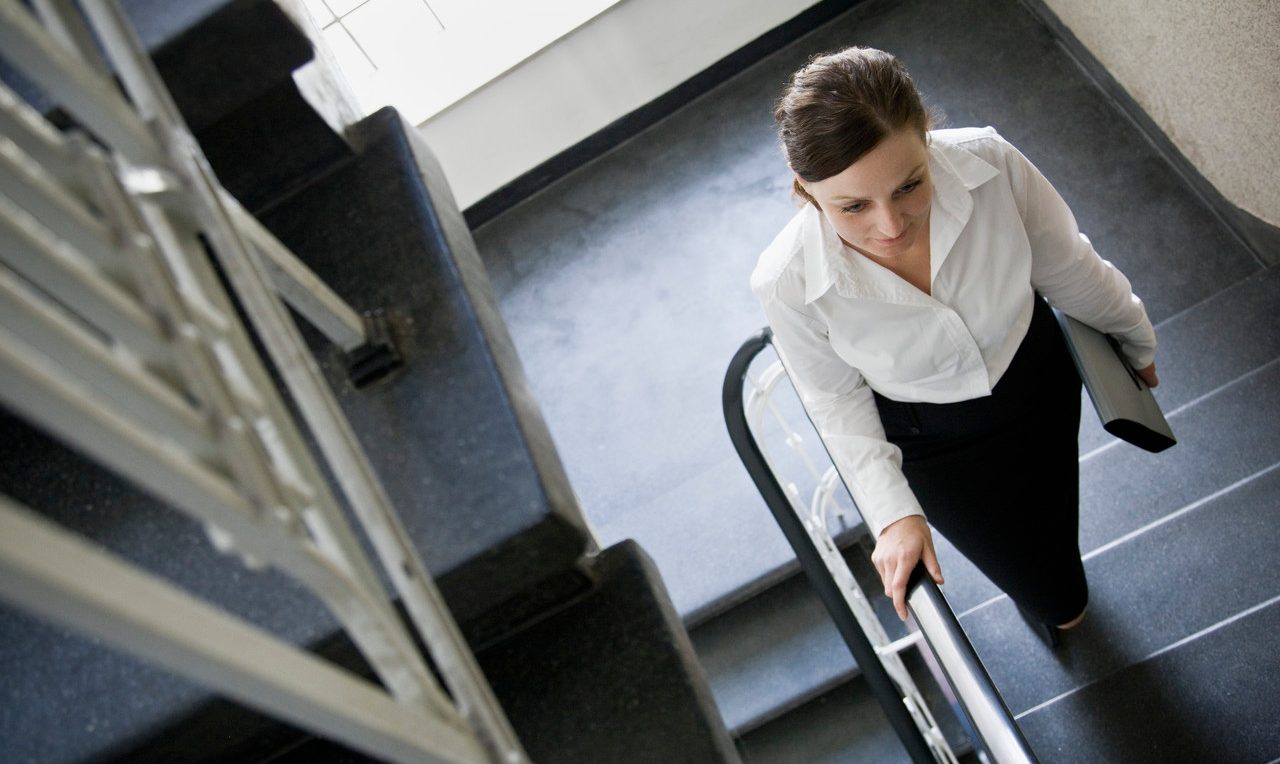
(998, 476)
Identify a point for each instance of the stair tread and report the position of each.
(452, 427)
(1221, 440)
(771, 654)
(843, 725)
(1209, 699)
(1237, 325)
(1197, 568)
(611, 677)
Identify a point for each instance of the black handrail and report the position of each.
(886, 693)
(988, 714)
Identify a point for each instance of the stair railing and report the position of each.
(117, 337)
(824, 566)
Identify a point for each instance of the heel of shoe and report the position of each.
(1049, 634)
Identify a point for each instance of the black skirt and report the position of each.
(999, 475)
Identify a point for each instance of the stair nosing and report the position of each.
(763, 582)
(839, 679)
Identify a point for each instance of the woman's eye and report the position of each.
(909, 187)
(853, 208)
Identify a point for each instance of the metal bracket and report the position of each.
(378, 356)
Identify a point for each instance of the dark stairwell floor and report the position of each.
(625, 287)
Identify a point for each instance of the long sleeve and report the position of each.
(1067, 270)
(844, 411)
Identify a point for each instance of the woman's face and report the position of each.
(879, 205)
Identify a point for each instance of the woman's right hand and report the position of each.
(901, 545)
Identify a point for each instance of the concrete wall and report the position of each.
(617, 62)
(1207, 73)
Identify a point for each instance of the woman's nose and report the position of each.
(891, 222)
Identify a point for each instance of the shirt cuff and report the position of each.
(883, 497)
(1138, 357)
(1139, 346)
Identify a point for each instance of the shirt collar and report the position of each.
(955, 173)
(824, 257)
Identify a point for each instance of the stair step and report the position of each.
(721, 504)
(1226, 432)
(230, 66)
(771, 654)
(609, 678)
(1222, 439)
(67, 698)
(1196, 568)
(218, 55)
(1208, 345)
(612, 677)
(458, 442)
(1220, 339)
(842, 726)
(1210, 698)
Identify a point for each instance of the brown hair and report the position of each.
(841, 105)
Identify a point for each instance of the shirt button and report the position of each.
(915, 430)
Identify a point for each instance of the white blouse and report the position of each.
(845, 326)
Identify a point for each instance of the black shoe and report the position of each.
(1049, 634)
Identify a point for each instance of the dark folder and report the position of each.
(1125, 404)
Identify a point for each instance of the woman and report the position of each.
(906, 302)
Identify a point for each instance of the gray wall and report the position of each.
(1207, 73)
(615, 63)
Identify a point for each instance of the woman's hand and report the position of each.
(1148, 375)
(901, 545)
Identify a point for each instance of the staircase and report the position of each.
(626, 293)
(580, 644)
(622, 288)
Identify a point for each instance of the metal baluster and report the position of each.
(248, 474)
(51, 572)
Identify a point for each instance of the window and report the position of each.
(423, 55)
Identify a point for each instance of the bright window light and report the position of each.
(421, 56)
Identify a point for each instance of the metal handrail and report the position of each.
(90, 96)
(989, 716)
(132, 351)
